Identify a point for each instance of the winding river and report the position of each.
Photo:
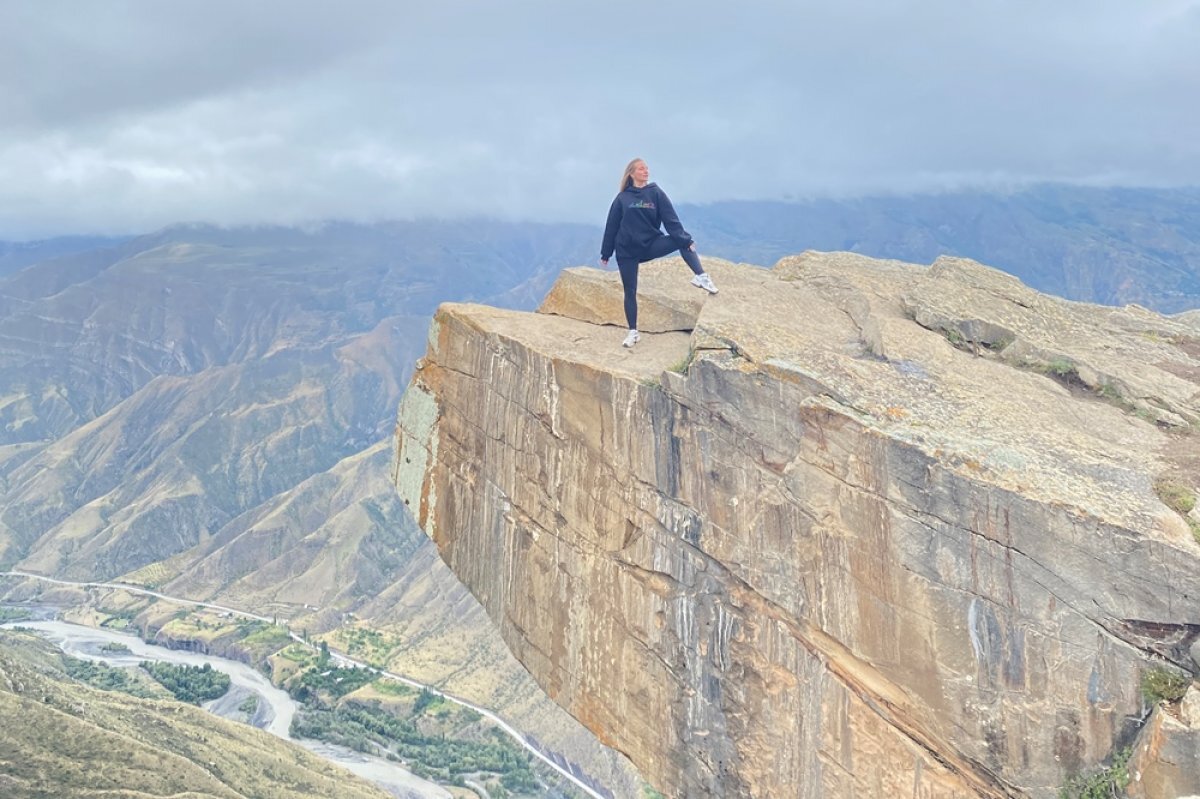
(338, 657)
(274, 711)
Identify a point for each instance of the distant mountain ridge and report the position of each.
(15, 256)
(176, 302)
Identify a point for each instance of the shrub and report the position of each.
(1103, 784)
(1161, 684)
(1062, 368)
(1179, 498)
(684, 363)
(1175, 495)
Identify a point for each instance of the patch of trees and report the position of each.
(194, 684)
(447, 760)
(105, 677)
(8, 614)
(335, 682)
(424, 700)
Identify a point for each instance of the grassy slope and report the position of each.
(75, 741)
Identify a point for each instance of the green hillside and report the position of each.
(64, 739)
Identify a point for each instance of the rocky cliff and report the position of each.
(848, 528)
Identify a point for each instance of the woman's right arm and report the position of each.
(610, 230)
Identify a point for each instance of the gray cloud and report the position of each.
(126, 116)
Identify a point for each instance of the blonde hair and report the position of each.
(627, 177)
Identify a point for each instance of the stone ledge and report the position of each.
(667, 301)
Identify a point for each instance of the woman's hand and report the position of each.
(692, 246)
(604, 262)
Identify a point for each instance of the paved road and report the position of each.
(334, 654)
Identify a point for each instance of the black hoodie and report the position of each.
(634, 221)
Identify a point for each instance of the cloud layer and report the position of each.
(126, 116)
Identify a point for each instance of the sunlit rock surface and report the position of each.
(848, 528)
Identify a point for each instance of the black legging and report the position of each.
(628, 267)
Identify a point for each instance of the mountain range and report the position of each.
(209, 411)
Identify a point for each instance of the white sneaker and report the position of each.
(705, 282)
(631, 339)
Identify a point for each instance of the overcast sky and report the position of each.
(127, 116)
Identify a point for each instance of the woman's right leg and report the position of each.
(629, 276)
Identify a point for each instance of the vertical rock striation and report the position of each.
(853, 528)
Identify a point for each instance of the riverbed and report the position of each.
(273, 713)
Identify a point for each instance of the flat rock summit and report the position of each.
(849, 528)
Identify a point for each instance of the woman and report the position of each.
(635, 220)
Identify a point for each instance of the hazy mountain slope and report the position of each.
(16, 255)
(81, 333)
(173, 463)
(65, 739)
(154, 390)
(333, 540)
(1111, 246)
(340, 554)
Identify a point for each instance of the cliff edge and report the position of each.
(849, 528)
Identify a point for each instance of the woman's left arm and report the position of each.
(671, 222)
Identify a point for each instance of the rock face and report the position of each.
(1167, 760)
(854, 528)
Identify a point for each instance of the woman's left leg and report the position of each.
(665, 245)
